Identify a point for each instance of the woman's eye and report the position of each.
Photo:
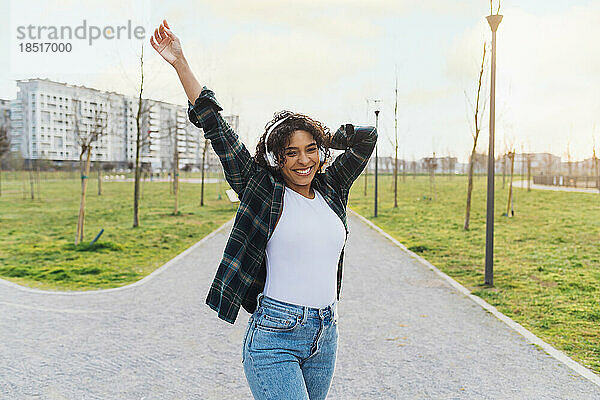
(313, 149)
(291, 154)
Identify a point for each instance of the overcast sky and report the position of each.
(325, 58)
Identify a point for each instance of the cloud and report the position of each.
(295, 62)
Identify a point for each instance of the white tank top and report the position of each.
(303, 252)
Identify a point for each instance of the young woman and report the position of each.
(283, 260)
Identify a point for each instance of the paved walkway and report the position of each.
(523, 184)
(405, 333)
(184, 180)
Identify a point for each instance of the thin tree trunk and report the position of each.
(365, 173)
(433, 194)
(469, 191)
(203, 164)
(99, 180)
(31, 182)
(84, 178)
(528, 173)
(37, 182)
(202, 185)
(512, 168)
(503, 170)
(138, 143)
(136, 187)
(474, 149)
(396, 147)
(396, 180)
(597, 174)
(176, 180)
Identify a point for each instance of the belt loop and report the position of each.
(260, 295)
(333, 308)
(304, 314)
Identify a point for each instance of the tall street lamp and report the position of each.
(494, 21)
(377, 128)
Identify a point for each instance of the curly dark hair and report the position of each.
(280, 137)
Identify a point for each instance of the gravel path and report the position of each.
(185, 180)
(405, 333)
(523, 185)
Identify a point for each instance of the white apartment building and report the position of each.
(48, 119)
(4, 111)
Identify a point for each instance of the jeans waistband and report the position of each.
(262, 300)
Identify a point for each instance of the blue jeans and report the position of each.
(289, 351)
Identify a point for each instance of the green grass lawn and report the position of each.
(546, 257)
(37, 236)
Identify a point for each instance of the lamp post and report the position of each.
(493, 21)
(377, 128)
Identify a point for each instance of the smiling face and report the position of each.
(301, 161)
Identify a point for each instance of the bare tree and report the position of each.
(175, 168)
(366, 173)
(396, 144)
(511, 156)
(595, 163)
(430, 164)
(504, 169)
(549, 161)
(522, 163)
(4, 147)
(142, 140)
(492, 7)
(173, 132)
(452, 165)
(88, 126)
(99, 169)
(569, 164)
(444, 162)
(203, 167)
(31, 178)
(475, 135)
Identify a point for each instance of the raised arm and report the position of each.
(237, 162)
(358, 143)
(169, 47)
(204, 112)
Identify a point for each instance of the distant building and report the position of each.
(384, 164)
(541, 163)
(4, 111)
(590, 166)
(441, 165)
(46, 115)
(444, 165)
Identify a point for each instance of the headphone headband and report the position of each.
(272, 128)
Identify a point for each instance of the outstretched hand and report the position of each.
(167, 44)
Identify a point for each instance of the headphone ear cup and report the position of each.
(270, 157)
(321, 158)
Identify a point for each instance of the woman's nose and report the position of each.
(304, 159)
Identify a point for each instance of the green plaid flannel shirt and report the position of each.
(242, 271)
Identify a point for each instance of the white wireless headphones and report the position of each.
(270, 156)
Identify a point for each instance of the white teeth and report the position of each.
(304, 171)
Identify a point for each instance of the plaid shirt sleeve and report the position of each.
(348, 166)
(237, 162)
